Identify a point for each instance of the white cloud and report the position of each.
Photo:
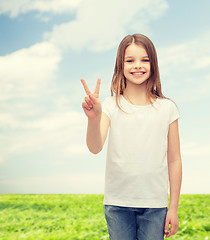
(195, 165)
(85, 183)
(56, 121)
(197, 184)
(76, 149)
(14, 8)
(64, 131)
(99, 25)
(63, 183)
(193, 55)
(195, 149)
(28, 71)
(204, 88)
(185, 67)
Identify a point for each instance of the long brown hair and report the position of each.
(118, 80)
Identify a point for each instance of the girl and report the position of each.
(143, 149)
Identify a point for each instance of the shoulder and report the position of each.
(169, 108)
(167, 102)
(109, 99)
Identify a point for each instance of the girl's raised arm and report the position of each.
(98, 122)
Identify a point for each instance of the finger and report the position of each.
(85, 87)
(173, 229)
(88, 101)
(166, 235)
(166, 226)
(98, 86)
(92, 98)
(172, 232)
(85, 106)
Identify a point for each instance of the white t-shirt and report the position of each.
(136, 164)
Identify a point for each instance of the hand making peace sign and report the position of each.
(92, 104)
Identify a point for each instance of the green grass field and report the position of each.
(68, 216)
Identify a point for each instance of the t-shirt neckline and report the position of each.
(137, 106)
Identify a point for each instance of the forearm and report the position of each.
(94, 140)
(175, 179)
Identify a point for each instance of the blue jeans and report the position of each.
(126, 223)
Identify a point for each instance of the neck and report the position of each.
(136, 94)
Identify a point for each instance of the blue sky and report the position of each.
(47, 46)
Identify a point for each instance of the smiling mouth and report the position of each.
(137, 73)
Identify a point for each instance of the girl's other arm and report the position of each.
(175, 178)
(98, 122)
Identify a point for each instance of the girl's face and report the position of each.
(136, 64)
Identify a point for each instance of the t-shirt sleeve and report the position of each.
(107, 106)
(174, 113)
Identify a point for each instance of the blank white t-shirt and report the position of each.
(136, 164)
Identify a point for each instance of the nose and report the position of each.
(137, 65)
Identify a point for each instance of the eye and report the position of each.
(129, 61)
(145, 60)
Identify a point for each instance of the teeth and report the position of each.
(137, 73)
